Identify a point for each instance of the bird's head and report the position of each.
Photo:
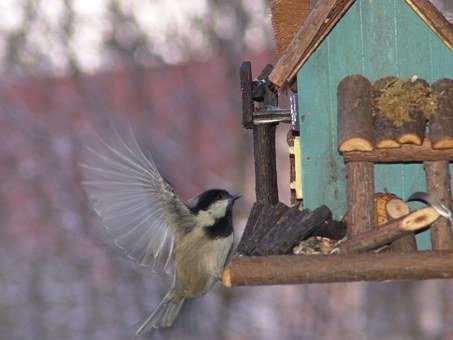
(217, 202)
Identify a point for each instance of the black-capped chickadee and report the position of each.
(191, 242)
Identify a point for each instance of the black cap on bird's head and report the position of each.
(204, 200)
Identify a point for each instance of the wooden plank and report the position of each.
(316, 26)
(434, 19)
(407, 153)
(294, 269)
(315, 133)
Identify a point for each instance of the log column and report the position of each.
(438, 184)
(437, 172)
(360, 186)
(266, 187)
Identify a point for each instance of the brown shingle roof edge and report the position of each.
(323, 18)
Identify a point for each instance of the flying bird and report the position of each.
(154, 226)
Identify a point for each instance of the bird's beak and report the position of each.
(235, 197)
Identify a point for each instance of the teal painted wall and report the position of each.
(375, 38)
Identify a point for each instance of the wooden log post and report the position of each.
(355, 132)
(355, 125)
(266, 187)
(293, 269)
(413, 131)
(384, 129)
(441, 127)
(438, 184)
(390, 231)
(265, 164)
(360, 195)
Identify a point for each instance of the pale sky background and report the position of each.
(160, 19)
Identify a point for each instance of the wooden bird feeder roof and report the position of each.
(323, 18)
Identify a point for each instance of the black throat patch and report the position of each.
(222, 228)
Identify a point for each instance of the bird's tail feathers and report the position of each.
(164, 315)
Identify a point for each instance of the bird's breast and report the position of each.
(199, 261)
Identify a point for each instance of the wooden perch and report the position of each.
(441, 128)
(384, 129)
(389, 207)
(438, 184)
(355, 126)
(293, 269)
(407, 153)
(390, 232)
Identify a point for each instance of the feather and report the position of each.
(134, 202)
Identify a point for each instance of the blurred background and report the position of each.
(171, 67)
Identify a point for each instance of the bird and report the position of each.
(191, 241)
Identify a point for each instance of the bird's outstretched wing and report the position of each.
(132, 199)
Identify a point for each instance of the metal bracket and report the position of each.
(260, 99)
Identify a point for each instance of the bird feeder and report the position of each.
(371, 121)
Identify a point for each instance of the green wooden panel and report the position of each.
(409, 64)
(375, 38)
(381, 59)
(317, 149)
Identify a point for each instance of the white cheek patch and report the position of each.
(205, 219)
(218, 209)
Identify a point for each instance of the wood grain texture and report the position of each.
(245, 76)
(315, 27)
(413, 131)
(261, 221)
(293, 269)
(355, 121)
(250, 227)
(389, 207)
(291, 228)
(407, 153)
(360, 186)
(266, 186)
(375, 39)
(384, 130)
(441, 125)
(438, 184)
(389, 232)
(434, 19)
(323, 18)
